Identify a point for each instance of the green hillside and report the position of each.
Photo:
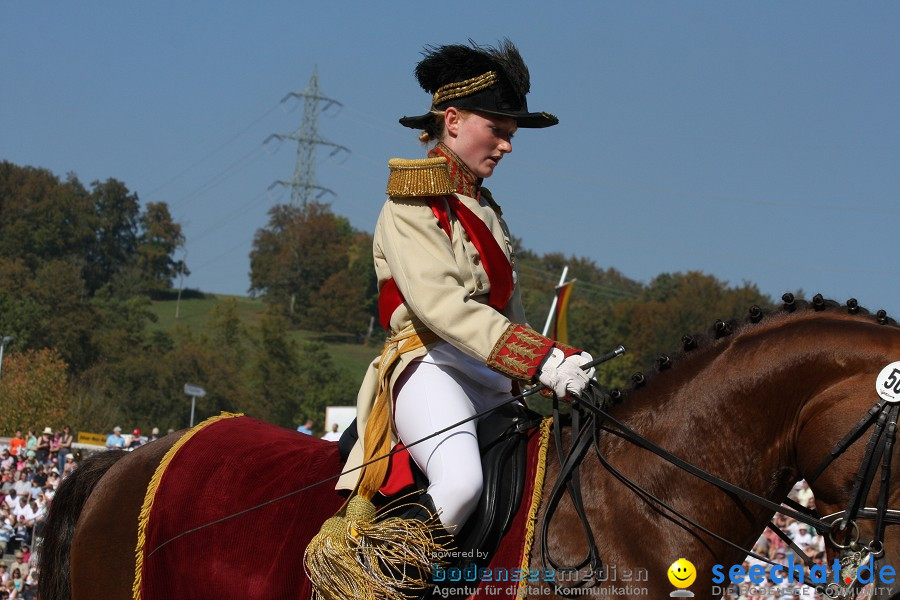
(194, 313)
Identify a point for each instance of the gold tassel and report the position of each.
(357, 556)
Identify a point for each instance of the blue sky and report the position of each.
(755, 141)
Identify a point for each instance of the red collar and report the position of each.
(464, 181)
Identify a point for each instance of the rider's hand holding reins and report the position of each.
(564, 375)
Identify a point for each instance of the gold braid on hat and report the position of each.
(467, 87)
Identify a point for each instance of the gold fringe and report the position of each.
(536, 496)
(354, 555)
(420, 177)
(357, 556)
(150, 495)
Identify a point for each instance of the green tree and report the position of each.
(33, 390)
(41, 218)
(295, 255)
(160, 237)
(678, 304)
(275, 368)
(348, 298)
(115, 218)
(322, 384)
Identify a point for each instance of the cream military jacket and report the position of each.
(442, 278)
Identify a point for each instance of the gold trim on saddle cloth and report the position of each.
(150, 495)
(536, 496)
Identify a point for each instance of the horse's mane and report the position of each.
(694, 347)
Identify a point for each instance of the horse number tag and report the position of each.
(888, 383)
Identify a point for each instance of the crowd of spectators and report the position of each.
(773, 548)
(31, 469)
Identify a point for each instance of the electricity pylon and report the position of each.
(303, 184)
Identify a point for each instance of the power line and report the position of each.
(229, 171)
(222, 254)
(599, 289)
(240, 210)
(212, 152)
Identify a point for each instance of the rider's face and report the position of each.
(479, 139)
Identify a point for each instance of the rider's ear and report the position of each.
(452, 118)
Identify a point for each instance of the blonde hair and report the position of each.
(434, 130)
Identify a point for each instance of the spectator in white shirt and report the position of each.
(803, 538)
(333, 435)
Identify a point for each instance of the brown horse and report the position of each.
(759, 407)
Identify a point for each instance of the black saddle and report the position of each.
(502, 436)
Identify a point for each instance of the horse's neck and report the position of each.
(734, 410)
(745, 396)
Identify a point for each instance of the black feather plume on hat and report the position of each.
(456, 62)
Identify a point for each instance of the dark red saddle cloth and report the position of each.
(233, 506)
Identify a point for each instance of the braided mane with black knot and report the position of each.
(695, 344)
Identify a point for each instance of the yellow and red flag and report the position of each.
(560, 329)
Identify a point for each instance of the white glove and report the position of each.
(583, 359)
(564, 375)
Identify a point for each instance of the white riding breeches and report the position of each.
(442, 388)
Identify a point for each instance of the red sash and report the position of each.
(496, 265)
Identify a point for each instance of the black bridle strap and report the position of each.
(847, 441)
(648, 497)
(860, 490)
(797, 506)
(807, 560)
(581, 441)
(639, 440)
(884, 490)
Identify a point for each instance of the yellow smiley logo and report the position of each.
(682, 573)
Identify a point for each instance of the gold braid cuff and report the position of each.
(467, 87)
(519, 352)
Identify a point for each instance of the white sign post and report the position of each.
(194, 391)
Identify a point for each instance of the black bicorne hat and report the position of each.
(482, 78)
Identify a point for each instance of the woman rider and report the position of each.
(448, 292)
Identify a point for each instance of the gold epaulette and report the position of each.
(421, 177)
